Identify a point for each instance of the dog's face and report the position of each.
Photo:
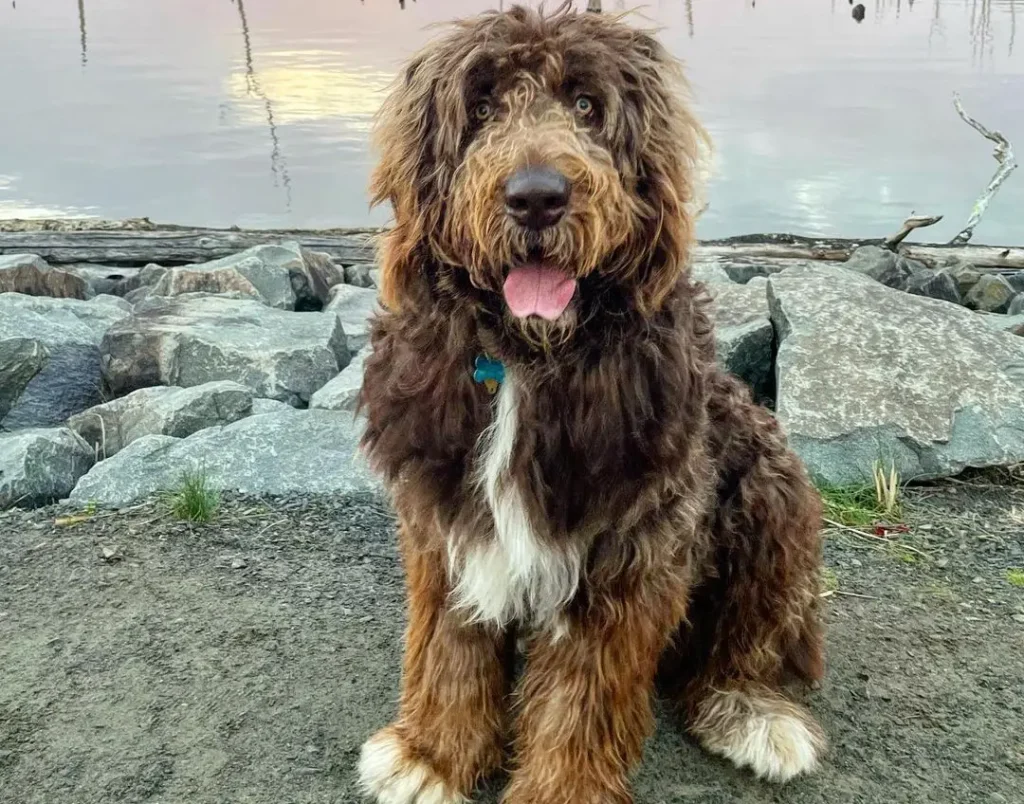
(541, 162)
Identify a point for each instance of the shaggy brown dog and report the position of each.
(619, 504)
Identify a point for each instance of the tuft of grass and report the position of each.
(862, 506)
(1015, 577)
(829, 579)
(193, 500)
(887, 491)
(850, 505)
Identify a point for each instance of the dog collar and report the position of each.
(488, 371)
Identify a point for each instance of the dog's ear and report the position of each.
(402, 134)
(668, 143)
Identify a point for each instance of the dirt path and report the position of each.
(145, 661)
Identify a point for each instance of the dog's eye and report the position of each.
(584, 105)
(483, 110)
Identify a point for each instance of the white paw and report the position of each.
(775, 747)
(775, 739)
(391, 778)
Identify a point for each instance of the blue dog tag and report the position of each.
(489, 372)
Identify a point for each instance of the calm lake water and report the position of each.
(256, 112)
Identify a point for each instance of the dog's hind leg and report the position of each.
(754, 621)
(452, 714)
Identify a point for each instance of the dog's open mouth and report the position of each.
(538, 288)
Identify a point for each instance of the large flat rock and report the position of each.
(743, 331)
(33, 276)
(867, 373)
(342, 393)
(354, 307)
(50, 357)
(285, 452)
(281, 275)
(40, 466)
(195, 339)
(161, 410)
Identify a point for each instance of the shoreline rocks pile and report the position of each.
(114, 381)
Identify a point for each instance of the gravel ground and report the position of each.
(145, 660)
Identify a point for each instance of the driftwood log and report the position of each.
(1003, 154)
(141, 243)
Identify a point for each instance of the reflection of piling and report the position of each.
(81, 31)
(252, 86)
(594, 5)
(1013, 24)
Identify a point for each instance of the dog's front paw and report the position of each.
(391, 775)
(771, 736)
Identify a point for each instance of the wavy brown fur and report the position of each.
(640, 465)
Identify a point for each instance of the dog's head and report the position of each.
(541, 162)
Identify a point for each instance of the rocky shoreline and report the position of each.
(117, 377)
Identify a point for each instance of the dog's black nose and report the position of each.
(536, 197)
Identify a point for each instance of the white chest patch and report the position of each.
(513, 575)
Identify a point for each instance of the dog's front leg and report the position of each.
(452, 713)
(586, 699)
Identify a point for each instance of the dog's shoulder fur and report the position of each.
(596, 431)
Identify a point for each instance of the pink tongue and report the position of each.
(538, 290)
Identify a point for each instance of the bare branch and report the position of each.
(909, 225)
(1002, 153)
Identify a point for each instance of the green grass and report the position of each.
(193, 500)
(829, 579)
(1015, 577)
(863, 506)
(855, 506)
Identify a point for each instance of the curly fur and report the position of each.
(621, 506)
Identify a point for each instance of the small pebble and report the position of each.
(1018, 618)
(856, 562)
(238, 563)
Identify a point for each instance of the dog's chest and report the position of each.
(511, 573)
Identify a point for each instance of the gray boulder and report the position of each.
(103, 279)
(709, 272)
(1017, 305)
(50, 357)
(272, 274)
(160, 410)
(288, 452)
(375, 277)
(354, 307)
(867, 373)
(992, 294)
(359, 275)
(743, 332)
(743, 269)
(41, 466)
(21, 359)
(1016, 280)
(934, 285)
(883, 266)
(33, 276)
(323, 273)
(1005, 323)
(195, 339)
(342, 393)
(963, 273)
(261, 406)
